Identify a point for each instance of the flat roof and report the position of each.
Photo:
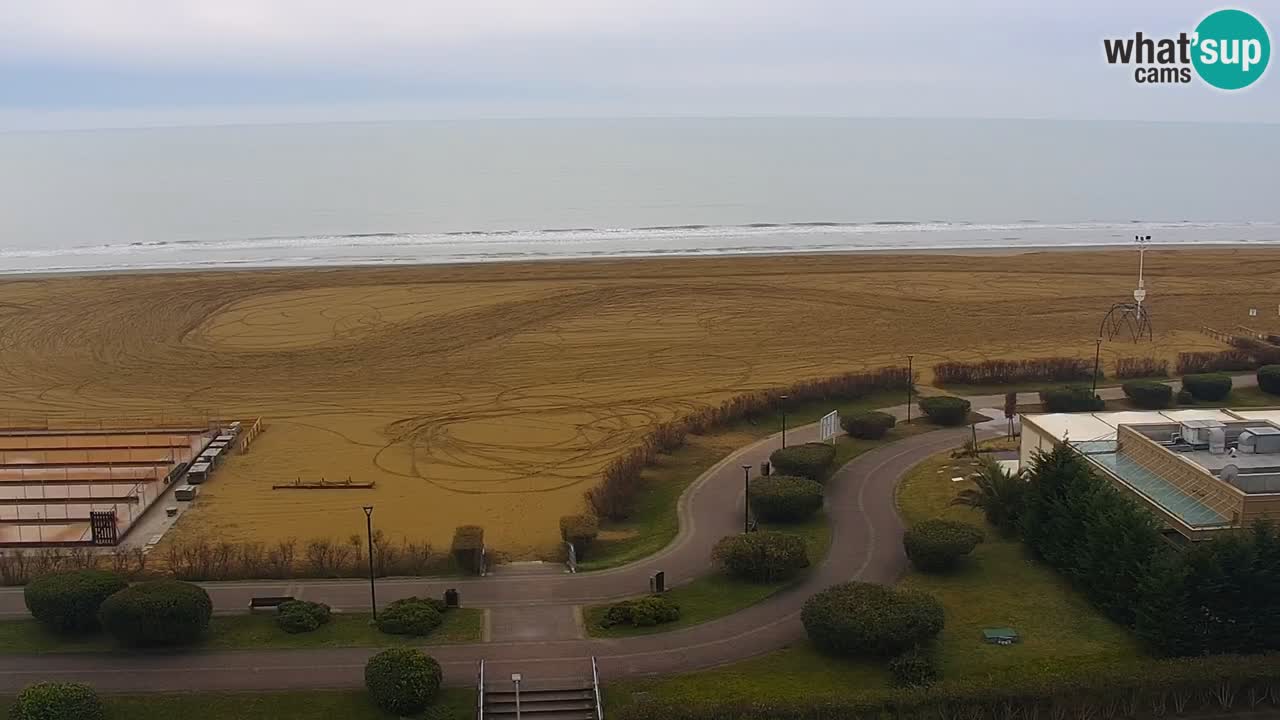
(1271, 415)
(1102, 425)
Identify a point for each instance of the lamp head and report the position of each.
(368, 510)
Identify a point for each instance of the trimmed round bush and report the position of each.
(766, 556)
(68, 602)
(864, 619)
(57, 701)
(784, 498)
(1186, 398)
(157, 613)
(914, 668)
(299, 616)
(1072, 398)
(945, 410)
(641, 612)
(402, 681)
(809, 460)
(1208, 386)
(938, 545)
(868, 425)
(1269, 379)
(410, 616)
(1149, 394)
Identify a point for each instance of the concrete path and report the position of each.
(533, 626)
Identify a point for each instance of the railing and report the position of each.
(480, 694)
(595, 684)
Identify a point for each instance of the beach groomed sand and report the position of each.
(493, 394)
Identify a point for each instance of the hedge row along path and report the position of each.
(533, 624)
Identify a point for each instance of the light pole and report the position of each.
(515, 680)
(784, 420)
(1097, 355)
(910, 383)
(373, 596)
(746, 499)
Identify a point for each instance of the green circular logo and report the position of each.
(1231, 49)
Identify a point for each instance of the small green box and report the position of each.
(1000, 636)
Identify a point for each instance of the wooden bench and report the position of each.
(268, 601)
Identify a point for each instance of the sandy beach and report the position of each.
(493, 394)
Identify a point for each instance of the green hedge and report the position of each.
(57, 701)
(785, 498)
(579, 531)
(410, 616)
(1208, 386)
(1073, 398)
(467, 547)
(766, 556)
(403, 681)
(1149, 394)
(299, 616)
(641, 612)
(915, 668)
(811, 460)
(871, 425)
(69, 602)
(945, 410)
(157, 613)
(937, 545)
(859, 619)
(1202, 686)
(1269, 379)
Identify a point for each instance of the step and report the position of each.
(529, 708)
(559, 715)
(531, 568)
(491, 696)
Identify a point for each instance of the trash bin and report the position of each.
(764, 468)
(451, 598)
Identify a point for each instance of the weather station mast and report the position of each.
(1126, 317)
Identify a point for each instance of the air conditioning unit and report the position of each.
(1260, 440)
(186, 492)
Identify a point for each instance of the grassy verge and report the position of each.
(717, 595)
(1238, 398)
(453, 704)
(655, 522)
(998, 586)
(248, 632)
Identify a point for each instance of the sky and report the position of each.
(127, 63)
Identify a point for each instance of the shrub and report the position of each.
(1207, 386)
(809, 460)
(1205, 362)
(784, 498)
(57, 701)
(1269, 379)
(1149, 394)
(1005, 372)
(937, 545)
(865, 619)
(766, 556)
(68, 602)
(409, 616)
(1072, 398)
(641, 612)
(915, 668)
(945, 410)
(299, 616)
(998, 493)
(1186, 398)
(868, 425)
(579, 531)
(468, 547)
(1141, 367)
(157, 613)
(402, 681)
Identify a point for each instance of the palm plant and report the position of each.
(998, 493)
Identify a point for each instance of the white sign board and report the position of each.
(829, 426)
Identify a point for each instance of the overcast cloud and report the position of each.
(92, 63)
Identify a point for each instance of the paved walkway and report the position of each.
(866, 544)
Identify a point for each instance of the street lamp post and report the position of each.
(373, 596)
(746, 498)
(910, 384)
(784, 420)
(515, 680)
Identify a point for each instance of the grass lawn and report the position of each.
(717, 595)
(1023, 387)
(998, 586)
(245, 632)
(453, 704)
(655, 522)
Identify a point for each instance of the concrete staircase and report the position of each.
(541, 700)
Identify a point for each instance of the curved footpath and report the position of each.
(525, 611)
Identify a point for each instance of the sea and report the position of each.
(509, 190)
